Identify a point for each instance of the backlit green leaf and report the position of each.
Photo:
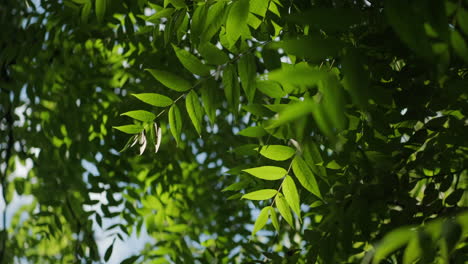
(253, 132)
(236, 20)
(100, 9)
(208, 95)
(154, 99)
(129, 129)
(171, 80)
(260, 195)
(291, 195)
(391, 242)
(190, 62)
(274, 218)
(283, 208)
(305, 176)
(247, 73)
(194, 110)
(267, 172)
(175, 122)
(141, 115)
(271, 88)
(231, 87)
(212, 54)
(261, 221)
(276, 152)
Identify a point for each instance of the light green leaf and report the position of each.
(290, 112)
(271, 88)
(391, 242)
(231, 87)
(85, 11)
(140, 115)
(291, 195)
(195, 110)
(236, 20)
(212, 54)
(171, 80)
(208, 95)
(198, 22)
(163, 13)
(259, 7)
(247, 72)
(175, 122)
(283, 208)
(333, 165)
(154, 99)
(261, 221)
(129, 129)
(274, 218)
(100, 9)
(305, 176)
(267, 172)
(299, 74)
(412, 251)
(264, 194)
(276, 152)
(190, 62)
(252, 132)
(214, 20)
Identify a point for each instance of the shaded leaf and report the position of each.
(212, 54)
(247, 73)
(236, 20)
(190, 62)
(283, 208)
(171, 80)
(129, 129)
(195, 110)
(252, 132)
(291, 195)
(154, 99)
(175, 122)
(231, 87)
(100, 9)
(274, 218)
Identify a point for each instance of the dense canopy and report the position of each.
(234, 131)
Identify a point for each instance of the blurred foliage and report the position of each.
(243, 131)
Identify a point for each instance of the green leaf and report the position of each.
(459, 45)
(356, 78)
(290, 112)
(100, 10)
(85, 11)
(190, 62)
(236, 20)
(140, 115)
(283, 208)
(108, 253)
(305, 176)
(129, 129)
(175, 122)
(154, 99)
(271, 88)
(391, 242)
(212, 54)
(261, 221)
(214, 20)
(195, 110)
(274, 219)
(208, 95)
(253, 132)
(291, 195)
(198, 22)
(314, 49)
(276, 152)
(412, 251)
(231, 87)
(163, 13)
(171, 80)
(267, 172)
(259, 7)
(264, 194)
(299, 74)
(247, 73)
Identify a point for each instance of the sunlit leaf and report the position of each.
(283, 208)
(276, 152)
(190, 62)
(391, 242)
(129, 129)
(175, 122)
(291, 195)
(100, 9)
(252, 132)
(154, 99)
(171, 80)
(194, 110)
(274, 219)
(247, 73)
(260, 195)
(267, 172)
(305, 176)
(140, 115)
(261, 221)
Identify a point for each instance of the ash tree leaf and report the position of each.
(214, 20)
(236, 20)
(154, 99)
(259, 195)
(212, 54)
(100, 9)
(163, 13)
(392, 241)
(140, 115)
(289, 113)
(270, 173)
(261, 221)
(356, 78)
(175, 122)
(271, 88)
(231, 87)
(129, 129)
(85, 11)
(283, 208)
(108, 253)
(170, 80)
(291, 195)
(259, 7)
(208, 95)
(305, 176)
(255, 132)
(276, 152)
(274, 218)
(198, 22)
(194, 110)
(459, 45)
(247, 73)
(190, 62)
